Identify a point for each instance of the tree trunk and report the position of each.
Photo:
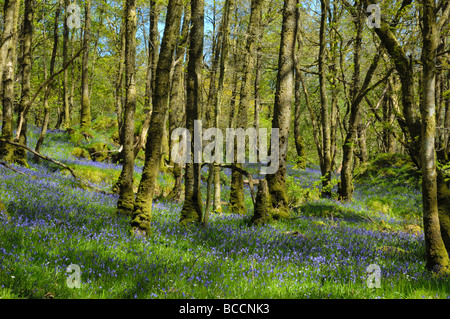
(177, 104)
(192, 207)
(437, 256)
(299, 145)
(125, 203)
(282, 107)
(153, 53)
(72, 71)
(346, 183)
(10, 38)
(229, 4)
(388, 117)
(210, 110)
(324, 114)
(119, 83)
(150, 80)
(20, 155)
(261, 213)
(423, 152)
(237, 205)
(10, 16)
(65, 92)
(362, 140)
(85, 114)
(143, 205)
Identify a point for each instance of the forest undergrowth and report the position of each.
(323, 253)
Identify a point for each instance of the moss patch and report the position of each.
(81, 153)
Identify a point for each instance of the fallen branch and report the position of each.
(13, 169)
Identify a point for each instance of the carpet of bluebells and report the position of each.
(324, 253)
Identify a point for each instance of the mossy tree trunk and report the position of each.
(20, 156)
(410, 124)
(141, 217)
(10, 37)
(437, 255)
(126, 193)
(150, 80)
(177, 102)
(261, 213)
(422, 152)
(85, 112)
(282, 107)
(153, 52)
(192, 207)
(237, 180)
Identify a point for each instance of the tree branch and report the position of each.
(72, 172)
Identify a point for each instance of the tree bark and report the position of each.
(141, 217)
(192, 207)
(436, 253)
(324, 113)
(261, 214)
(10, 37)
(299, 145)
(65, 92)
(177, 104)
(153, 54)
(150, 79)
(423, 152)
(10, 16)
(282, 107)
(125, 203)
(346, 183)
(229, 4)
(119, 82)
(20, 155)
(237, 205)
(85, 112)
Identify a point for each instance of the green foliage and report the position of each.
(81, 153)
(389, 168)
(99, 152)
(298, 194)
(382, 205)
(105, 124)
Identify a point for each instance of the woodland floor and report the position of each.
(322, 254)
